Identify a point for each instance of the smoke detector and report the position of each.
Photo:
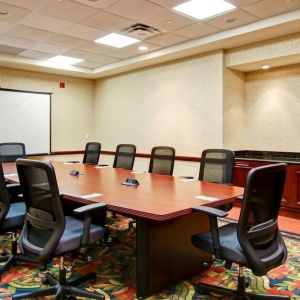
(141, 31)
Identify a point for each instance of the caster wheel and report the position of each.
(45, 280)
(93, 279)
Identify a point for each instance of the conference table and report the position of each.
(162, 207)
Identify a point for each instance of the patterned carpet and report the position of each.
(115, 266)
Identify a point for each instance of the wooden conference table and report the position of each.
(162, 206)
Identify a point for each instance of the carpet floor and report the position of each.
(115, 267)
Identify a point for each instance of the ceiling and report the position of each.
(35, 30)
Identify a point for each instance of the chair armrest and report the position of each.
(88, 208)
(186, 177)
(213, 214)
(211, 211)
(15, 192)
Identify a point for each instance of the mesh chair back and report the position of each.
(91, 153)
(9, 152)
(216, 165)
(44, 222)
(258, 231)
(124, 157)
(4, 197)
(162, 160)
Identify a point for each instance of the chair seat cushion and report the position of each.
(230, 246)
(15, 217)
(71, 238)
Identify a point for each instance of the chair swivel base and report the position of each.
(62, 288)
(9, 258)
(239, 293)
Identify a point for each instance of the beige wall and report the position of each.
(272, 109)
(280, 51)
(72, 107)
(234, 110)
(177, 104)
(190, 104)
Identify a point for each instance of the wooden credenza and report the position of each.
(290, 204)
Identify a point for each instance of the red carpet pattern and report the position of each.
(115, 266)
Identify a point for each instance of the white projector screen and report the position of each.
(25, 117)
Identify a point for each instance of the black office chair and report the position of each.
(162, 160)
(11, 218)
(124, 157)
(47, 232)
(91, 153)
(9, 152)
(217, 166)
(255, 241)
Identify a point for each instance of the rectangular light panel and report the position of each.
(202, 9)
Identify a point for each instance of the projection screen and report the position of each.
(25, 117)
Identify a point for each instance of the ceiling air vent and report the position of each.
(141, 31)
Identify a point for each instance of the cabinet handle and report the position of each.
(242, 165)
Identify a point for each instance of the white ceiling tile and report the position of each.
(67, 10)
(134, 50)
(168, 3)
(35, 54)
(90, 64)
(196, 30)
(10, 50)
(107, 21)
(97, 4)
(5, 27)
(167, 39)
(94, 48)
(104, 59)
(81, 54)
(16, 42)
(138, 10)
(42, 47)
(84, 32)
(15, 14)
(29, 4)
(268, 8)
(65, 41)
(242, 2)
(241, 18)
(30, 33)
(169, 21)
(45, 22)
(103, 50)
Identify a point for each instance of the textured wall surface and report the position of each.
(177, 104)
(72, 107)
(234, 109)
(271, 49)
(272, 106)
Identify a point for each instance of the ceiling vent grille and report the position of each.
(141, 31)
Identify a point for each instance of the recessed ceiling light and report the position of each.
(265, 67)
(204, 9)
(169, 22)
(65, 60)
(3, 12)
(143, 48)
(117, 40)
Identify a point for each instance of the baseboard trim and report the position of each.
(144, 155)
